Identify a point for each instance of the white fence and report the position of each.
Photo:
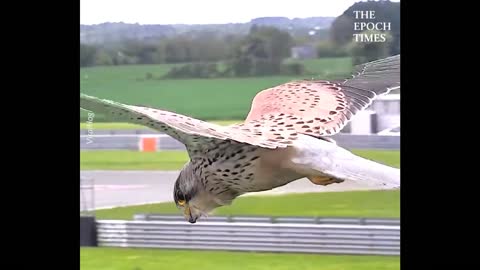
(252, 236)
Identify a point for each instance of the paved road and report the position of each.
(122, 188)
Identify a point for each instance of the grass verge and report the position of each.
(383, 203)
(174, 160)
(154, 259)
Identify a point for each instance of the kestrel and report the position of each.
(285, 137)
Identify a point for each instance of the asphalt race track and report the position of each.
(122, 188)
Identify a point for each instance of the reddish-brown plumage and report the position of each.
(315, 108)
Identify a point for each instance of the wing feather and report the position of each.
(323, 108)
(197, 135)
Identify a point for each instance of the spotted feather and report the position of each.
(198, 136)
(321, 108)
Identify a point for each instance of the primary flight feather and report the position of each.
(285, 137)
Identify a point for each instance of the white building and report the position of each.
(384, 113)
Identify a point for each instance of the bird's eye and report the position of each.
(181, 202)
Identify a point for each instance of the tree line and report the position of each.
(343, 30)
(260, 52)
(178, 49)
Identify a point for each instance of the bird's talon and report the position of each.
(323, 180)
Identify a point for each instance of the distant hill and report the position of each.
(285, 23)
(116, 32)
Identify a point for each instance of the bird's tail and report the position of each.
(327, 159)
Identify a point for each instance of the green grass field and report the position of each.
(328, 68)
(132, 160)
(207, 99)
(381, 203)
(174, 160)
(155, 259)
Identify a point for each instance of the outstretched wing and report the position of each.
(322, 108)
(197, 135)
(378, 76)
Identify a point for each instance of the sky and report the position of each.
(205, 11)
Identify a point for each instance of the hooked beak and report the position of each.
(188, 214)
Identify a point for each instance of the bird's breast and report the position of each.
(271, 172)
(247, 169)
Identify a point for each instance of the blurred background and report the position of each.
(207, 59)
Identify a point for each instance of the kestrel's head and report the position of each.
(191, 196)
